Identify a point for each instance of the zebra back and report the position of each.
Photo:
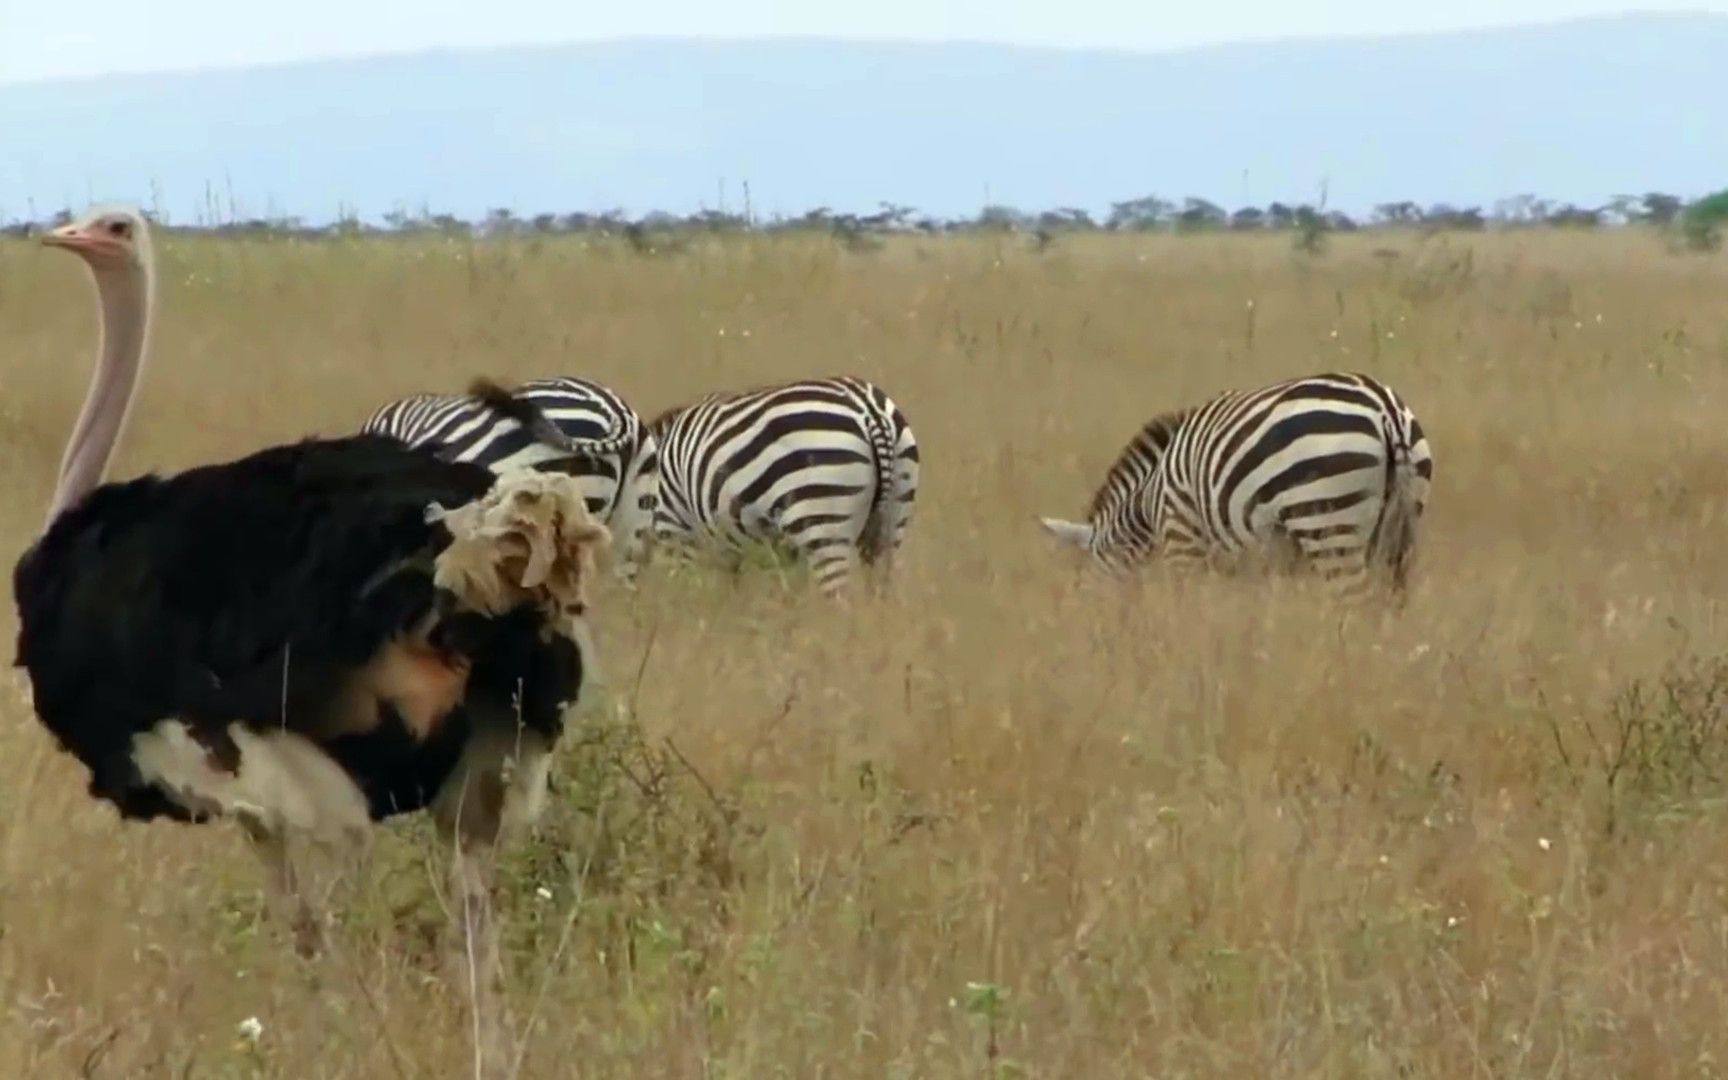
(540, 409)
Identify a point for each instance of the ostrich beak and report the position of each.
(76, 238)
(64, 236)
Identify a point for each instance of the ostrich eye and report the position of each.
(119, 228)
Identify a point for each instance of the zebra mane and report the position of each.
(1141, 453)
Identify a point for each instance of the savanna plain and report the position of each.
(1006, 820)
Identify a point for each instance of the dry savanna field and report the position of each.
(1005, 821)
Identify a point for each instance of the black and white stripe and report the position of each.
(1329, 470)
(825, 468)
(593, 435)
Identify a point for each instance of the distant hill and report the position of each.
(1575, 111)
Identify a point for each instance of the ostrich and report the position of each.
(304, 639)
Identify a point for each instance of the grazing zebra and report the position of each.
(1331, 470)
(827, 468)
(557, 424)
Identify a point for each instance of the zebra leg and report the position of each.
(834, 562)
(633, 557)
(1341, 553)
(633, 525)
(729, 557)
(1181, 553)
(1343, 571)
(1282, 552)
(673, 544)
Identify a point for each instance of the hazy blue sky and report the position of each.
(42, 39)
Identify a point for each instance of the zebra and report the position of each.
(1328, 470)
(827, 468)
(560, 424)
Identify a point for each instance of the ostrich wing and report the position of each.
(174, 597)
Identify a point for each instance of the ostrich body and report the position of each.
(303, 639)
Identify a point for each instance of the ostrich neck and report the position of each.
(124, 298)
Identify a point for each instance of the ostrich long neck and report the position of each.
(124, 295)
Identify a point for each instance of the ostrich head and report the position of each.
(114, 243)
(110, 239)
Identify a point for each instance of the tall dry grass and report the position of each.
(1005, 822)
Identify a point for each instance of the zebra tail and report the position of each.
(542, 430)
(1395, 535)
(878, 535)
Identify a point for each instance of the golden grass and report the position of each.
(1004, 819)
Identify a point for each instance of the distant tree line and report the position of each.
(1698, 223)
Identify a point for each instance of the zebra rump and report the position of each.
(825, 468)
(558, 424)
(1329, 471)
